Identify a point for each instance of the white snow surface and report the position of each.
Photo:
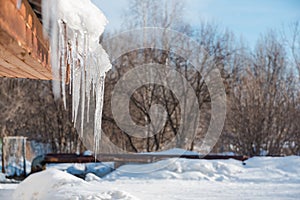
(260, 178)
(257, 169)
(92, 177)
(55, 184)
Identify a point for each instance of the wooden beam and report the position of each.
(24, 52)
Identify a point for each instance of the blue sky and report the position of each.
(246, 18)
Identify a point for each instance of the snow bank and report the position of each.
(55, 184)
(260, 178)
(257, 169)
(275, 169)
(185, 169)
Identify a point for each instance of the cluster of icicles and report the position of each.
(78, 59)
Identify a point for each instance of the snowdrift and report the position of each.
(259, 173)
(257, 169)
(55, 184)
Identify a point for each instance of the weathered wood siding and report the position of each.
(24, 52)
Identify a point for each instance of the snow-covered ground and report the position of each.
(260, 178)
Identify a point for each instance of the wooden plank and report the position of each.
(22, 43)
(24, 69)
(7, 70)
(10, 69)
(6, 74)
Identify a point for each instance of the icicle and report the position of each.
(85, 50)
(19, 3)
(87, 75)
(82, 100)
(49, 10)
(74, 42)
(55, 62)
(75, 84)
(88, 94)
(70, 61)
(77, 90)
(98, 112)
(83, 81)
(63, 57)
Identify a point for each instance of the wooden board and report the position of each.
(24, 52)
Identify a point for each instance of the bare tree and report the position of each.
(263, 101)
(293, 41)
(29, 109)
(213, 44)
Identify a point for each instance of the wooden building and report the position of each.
(24, 51)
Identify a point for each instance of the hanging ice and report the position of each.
(19, 3)
(74, 27)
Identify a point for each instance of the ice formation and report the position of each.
(19, 3)
(74, 27)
